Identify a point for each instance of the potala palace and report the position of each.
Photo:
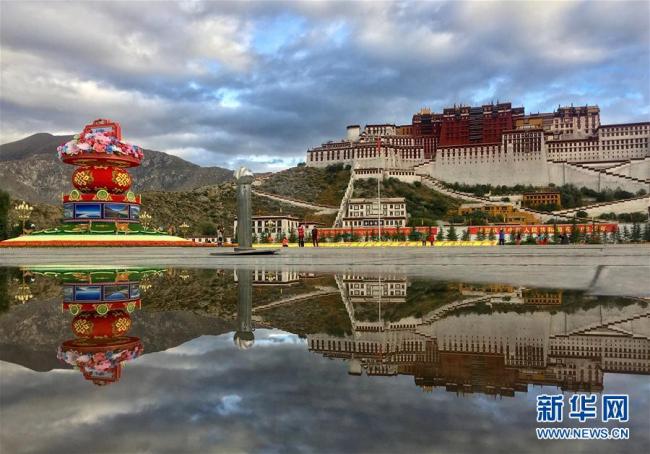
(499, 145)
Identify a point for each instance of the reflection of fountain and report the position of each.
(101, 301)
(244, 337)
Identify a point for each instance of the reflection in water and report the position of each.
(466, 346)
(194, 392)
(494, 339)
(244, 337)
(101, 302)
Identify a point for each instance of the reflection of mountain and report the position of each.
(32, 332)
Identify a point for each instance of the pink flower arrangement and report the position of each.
(98, 143)
(99, 361)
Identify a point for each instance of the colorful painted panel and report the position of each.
(88, 211)
(135, 291)
(88, 293)
(116, 211)
(68, 293)
(68, 210)
(116, 292)
(135, 212)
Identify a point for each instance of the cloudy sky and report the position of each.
(222, 83)
(205, 396)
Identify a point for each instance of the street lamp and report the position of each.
(145, 219)
(184, 227)
(24, 211)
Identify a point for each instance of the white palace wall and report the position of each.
(505, 171)
(560, 173)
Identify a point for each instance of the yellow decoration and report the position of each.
(83, 326)
(121, 325)
(121, 178)
(130, 196)
(83, 178)
(75, 195)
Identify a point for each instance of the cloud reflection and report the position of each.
(279, 399)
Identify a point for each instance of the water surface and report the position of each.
(174, 360)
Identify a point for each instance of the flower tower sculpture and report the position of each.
(102, 184)
(101, 210)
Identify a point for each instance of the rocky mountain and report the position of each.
(30, 170)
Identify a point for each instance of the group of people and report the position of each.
(301, 237)
(542, 238)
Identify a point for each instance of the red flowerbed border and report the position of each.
(99, 243)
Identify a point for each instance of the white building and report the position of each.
(273, 225)
(366, 213)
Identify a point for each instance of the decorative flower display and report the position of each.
(98, 143)
(99, 361)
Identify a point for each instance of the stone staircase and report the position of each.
(607, 172)
(349, 190)
(320, 209)
(612, 206)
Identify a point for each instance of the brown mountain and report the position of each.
(30, 170)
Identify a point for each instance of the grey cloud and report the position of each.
(162, 68)
(281, 398)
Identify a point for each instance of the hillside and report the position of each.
(202, 208)
(31, 171)
(322, 186)
(424, 205)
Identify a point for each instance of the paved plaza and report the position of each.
(611, 270)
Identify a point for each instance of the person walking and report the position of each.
(518, 240)
(301, 235)
(314, 237)
(432, 238)
(502, 238)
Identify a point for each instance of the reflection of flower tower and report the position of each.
(101, 302)
(102, 183)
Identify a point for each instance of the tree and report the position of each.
(207, 228)
(582, 214)
(441, 235)
(414, 235)
(616, 235)
(636, 235)
(465, 235)
(480, 235)
(626, 234)
(646, 232)
(556, 234)
(451, 234)
(254, 238)
(5, 202)
(491, 235)
(575, 233)
(292, 236)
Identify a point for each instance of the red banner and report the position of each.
(374, 231)
(542, 228)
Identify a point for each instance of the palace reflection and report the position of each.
(467, 346)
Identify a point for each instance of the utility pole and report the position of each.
(379, 177)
